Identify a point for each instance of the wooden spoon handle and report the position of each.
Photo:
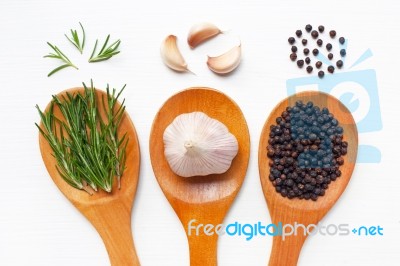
(203, 249)
(286, 252)
(113, 222)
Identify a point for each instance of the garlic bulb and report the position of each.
(171, 55)
(227, 62)
(197, 145)
(202, 32)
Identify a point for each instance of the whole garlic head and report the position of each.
(197, 145)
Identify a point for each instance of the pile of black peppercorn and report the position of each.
(306, 150)
(315, 34)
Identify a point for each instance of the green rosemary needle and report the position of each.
(106, 52)
(59, 55)
(74, 39)
(90, 153)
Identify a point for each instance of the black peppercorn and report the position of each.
(318, 64)
(319, 42)
(308, 60)
(321, 74)
(321, 28)
(303, 162)
(330, 56)
(332, 33)
(306, 51)
(291, 40)
(341, 40)
(331, 69)
(293, 56)
(343, 52)
(300, 63)
(294, 49)
(298, 33)
(328, 46)
(308, 28)
(304, 42)
(314, 34)
(309, 69)
(339, 63)
(315, 52)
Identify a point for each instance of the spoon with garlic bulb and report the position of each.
(200, 199)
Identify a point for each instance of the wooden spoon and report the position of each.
(206, 199)
(109, 213)
(306, 212)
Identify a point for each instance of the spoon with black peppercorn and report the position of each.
(286, 251)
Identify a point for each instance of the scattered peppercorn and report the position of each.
(298, 33)
(328, 46)
(314, 34)
(294, 49)
(291, 40)
(330, 56)
(318, 64)
(308, 27)
(305, 150)
(293, 56)
(339, 63)
(319, 42)
(309, 69)
(332, 33)
(331, 69)
(321, 74)
(308, 60)
(306, 51)
(315, 52)
(304, 42)
(321, 28)
(300, 63)
(341, 40)
(343, 52)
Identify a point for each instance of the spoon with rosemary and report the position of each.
(201, 199)
(85, 155)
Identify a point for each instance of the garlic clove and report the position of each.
(201, 32)
(171, 55)
(227, 62)
(197, 145)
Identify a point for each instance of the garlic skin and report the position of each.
(201, 32)
(227, 62)
(171, 55)
(197, 145)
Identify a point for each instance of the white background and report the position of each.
(38, 226)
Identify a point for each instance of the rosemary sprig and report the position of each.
(89, 152)
(59, 55)
(106, 52)
(74, 39)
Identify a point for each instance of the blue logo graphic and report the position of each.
(358, 91)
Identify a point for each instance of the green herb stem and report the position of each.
(106, 52)
(89, 152)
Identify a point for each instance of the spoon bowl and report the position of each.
(306, 212)
(109, 213)
(201, 199)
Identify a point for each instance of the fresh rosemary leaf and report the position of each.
(106, 52)
(90, 153)
(59, 55)
(74, 39)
